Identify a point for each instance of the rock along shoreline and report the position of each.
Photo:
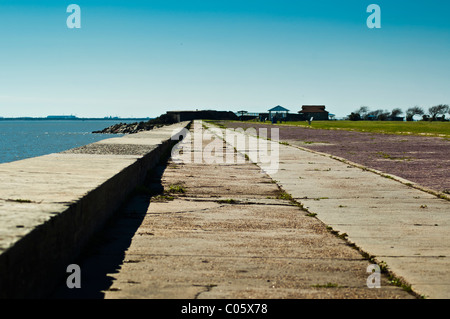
(136, 127)
(130, 128)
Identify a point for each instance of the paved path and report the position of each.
(404, 228)
(221, 231)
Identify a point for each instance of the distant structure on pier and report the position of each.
(62, 117)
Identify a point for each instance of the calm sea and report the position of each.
(20, 139)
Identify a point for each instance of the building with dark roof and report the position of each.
(317, 112)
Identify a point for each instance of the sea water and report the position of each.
(20, 139)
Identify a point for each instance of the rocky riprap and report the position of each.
(131, 128)
(124, 128)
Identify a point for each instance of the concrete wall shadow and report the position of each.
(106, 252)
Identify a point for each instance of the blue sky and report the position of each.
(142, 58)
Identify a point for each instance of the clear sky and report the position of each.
(142, 58)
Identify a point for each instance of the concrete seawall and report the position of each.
(50, 206)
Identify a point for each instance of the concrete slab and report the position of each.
(382, 216)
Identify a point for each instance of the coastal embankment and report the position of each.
(52, 205)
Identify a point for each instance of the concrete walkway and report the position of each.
(221, 231)
(404, 228)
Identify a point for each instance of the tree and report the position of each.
(383, 115)
(359, 114)
(379, 115)
(434, 111)
(354, 117)
(363, 110)
(416, 110)
(395, 113)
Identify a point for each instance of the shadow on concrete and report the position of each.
(106, 251)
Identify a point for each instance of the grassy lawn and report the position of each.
(387, 127)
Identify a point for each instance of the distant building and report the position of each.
(61, 117)
(181, 116)
(278, 113)
(317, 112)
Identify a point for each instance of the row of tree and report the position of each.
(435, 113)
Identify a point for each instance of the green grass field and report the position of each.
(441, 129)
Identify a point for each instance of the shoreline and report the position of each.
(25, 139)
(73, 119)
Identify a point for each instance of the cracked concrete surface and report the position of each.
(402, 227)
(228, 235)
